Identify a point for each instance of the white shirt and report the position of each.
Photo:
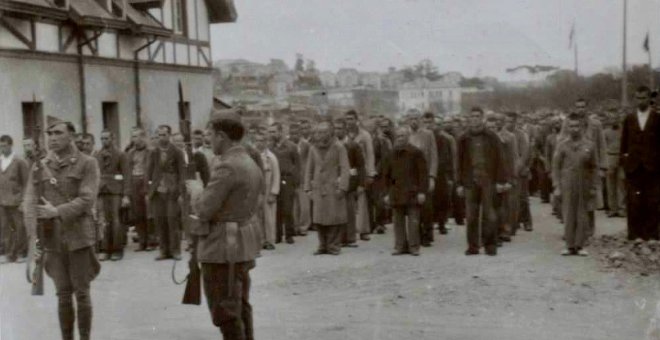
(642, 117)
(5, 161)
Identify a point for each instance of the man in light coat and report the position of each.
(271, 172)
(326, 181)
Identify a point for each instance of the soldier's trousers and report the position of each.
(457, 207)
(481, 216)
(329, 237)
(13, 232)
(406, 235)
(426, 219)
(349, 230)
(167, 215)
(72, 272)
(524, 214)
(503, 214)
(362, 221)
(139, 209)
(643, 204)
(302, 215)
(114, 238)
(616, 197)
(284, 225)
(513, 200)
(268, 219)
(229, 302)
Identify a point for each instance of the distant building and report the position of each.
(328, 79)
(371, 80)
(441, 97)
(106, 64)
(393, 79)
(279, 85)
(348, 77)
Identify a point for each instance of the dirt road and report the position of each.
(527, 292)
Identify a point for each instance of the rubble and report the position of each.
(638, 256)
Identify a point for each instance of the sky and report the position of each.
(474, 37)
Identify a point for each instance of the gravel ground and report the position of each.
(527, 292)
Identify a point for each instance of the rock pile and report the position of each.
(638, 256)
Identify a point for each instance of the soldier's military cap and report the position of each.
(226, 114)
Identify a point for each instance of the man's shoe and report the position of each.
(582, 252)
(505, 238)
(398, 253)
(491, 250)
(319, 252)
(459, 221)
(278, 241)
(104, 257)
(176, 257)
(566, 252)
(141, 248)
(349, 245)
(414, 252)
(334, 252)
(161, 257)
(426, 244)
(528, 227)
(269, 246)
(117, 256)
(290, 240)
(365, 237)
(443, 231)
(380, 230)
(472, 251)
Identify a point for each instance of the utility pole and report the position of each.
(624, 68)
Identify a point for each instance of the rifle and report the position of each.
(192, 293)
(36, 277)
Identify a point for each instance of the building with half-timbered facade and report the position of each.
(106, 64)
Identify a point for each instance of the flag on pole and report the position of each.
(646, 43)
(571, 37)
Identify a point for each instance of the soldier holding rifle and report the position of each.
(69, 181)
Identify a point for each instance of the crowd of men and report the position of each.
(345, 177)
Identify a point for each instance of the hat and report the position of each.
(225, 114)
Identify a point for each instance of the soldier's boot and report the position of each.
(67, 315)
(84, 303)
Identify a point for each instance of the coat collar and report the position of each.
(72, 158)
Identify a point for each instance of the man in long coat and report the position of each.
(327, 180)
(575, 166)
(640, 158)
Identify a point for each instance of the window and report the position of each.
(111, 119)
(179, 19)
(33, 117)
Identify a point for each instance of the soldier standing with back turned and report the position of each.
(70, 180)
(228, 240)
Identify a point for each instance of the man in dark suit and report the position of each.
(166, 176)
(406, 175)
(481, 176)
(111, 190)
(13, 178)
(289, 160)
(640, 157)
(445, 174)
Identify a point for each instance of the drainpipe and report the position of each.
(136, 68)
(81, 76)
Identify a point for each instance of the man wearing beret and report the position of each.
(228, 240)
(70, 181)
